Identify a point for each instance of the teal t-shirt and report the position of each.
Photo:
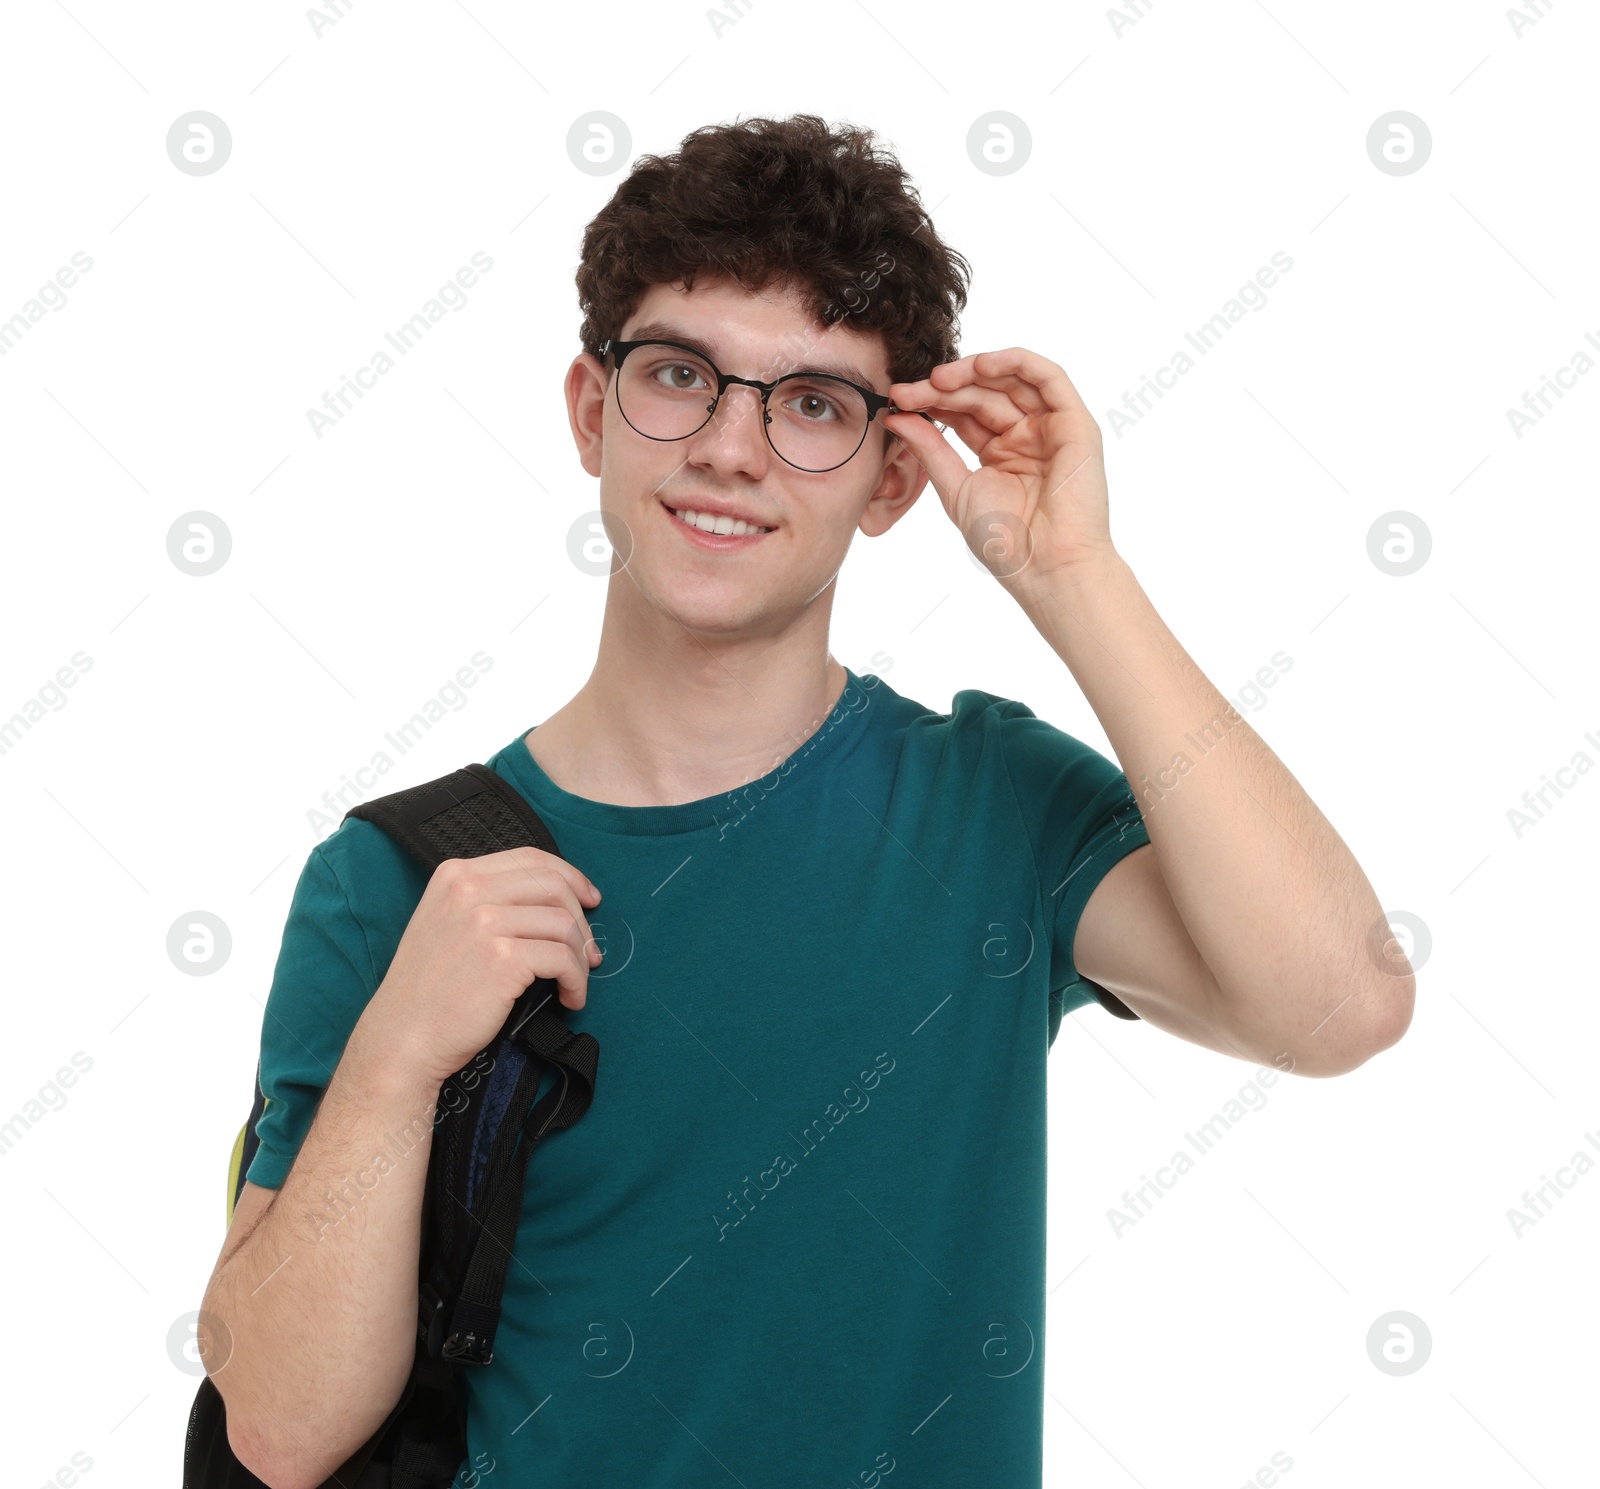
(799, 1237)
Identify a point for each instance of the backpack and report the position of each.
(473, 1193)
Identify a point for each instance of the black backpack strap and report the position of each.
(466, 814)
(470, 812)
(469, 1339)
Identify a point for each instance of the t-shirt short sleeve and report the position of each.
(323, 980)
(1081, 818)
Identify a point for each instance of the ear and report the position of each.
(587, 383)
(898, 488)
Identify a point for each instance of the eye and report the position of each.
(814, 407)
(680, 376)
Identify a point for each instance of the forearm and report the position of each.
(1275, 903)
(319, 1300)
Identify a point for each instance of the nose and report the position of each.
(734, 439)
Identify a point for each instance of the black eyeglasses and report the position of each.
(819, 423)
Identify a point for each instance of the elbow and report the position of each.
(1392, 1009)
(252, 1437)
(1366, 1025)
(293, 1455)
(255, 1453)
(278, 1463)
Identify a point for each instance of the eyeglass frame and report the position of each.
(876, 402)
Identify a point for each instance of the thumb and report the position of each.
(945, 467)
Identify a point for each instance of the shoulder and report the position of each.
(360, 887)
(1067, 792)
(366, 865)
(973, 714)
(986, 729)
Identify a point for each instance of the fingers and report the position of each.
(979, 369)
(559, 886)
(945, 468)
(537, 871)
(1052, 384)
(538, 896)
(1033, 383)
(973, 434)
(993, 408)
(562, 947)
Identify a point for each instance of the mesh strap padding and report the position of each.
(465, 814)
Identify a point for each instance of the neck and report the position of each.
(669, 715)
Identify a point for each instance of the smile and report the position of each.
(714, 526)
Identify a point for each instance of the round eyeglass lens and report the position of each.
(665, 393)
(818, 422)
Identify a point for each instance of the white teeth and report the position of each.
(708, 523)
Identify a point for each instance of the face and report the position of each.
(737, 586)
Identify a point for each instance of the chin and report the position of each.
(728, 611)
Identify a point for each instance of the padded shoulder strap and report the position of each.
(470, 812)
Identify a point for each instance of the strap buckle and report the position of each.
(467, 1349)
(459, 1347)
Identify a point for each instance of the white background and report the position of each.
(1168, 162)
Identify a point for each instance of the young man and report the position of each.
(799, 1237)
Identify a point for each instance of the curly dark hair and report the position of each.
(786, 202)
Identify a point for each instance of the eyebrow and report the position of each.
(666, 331)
